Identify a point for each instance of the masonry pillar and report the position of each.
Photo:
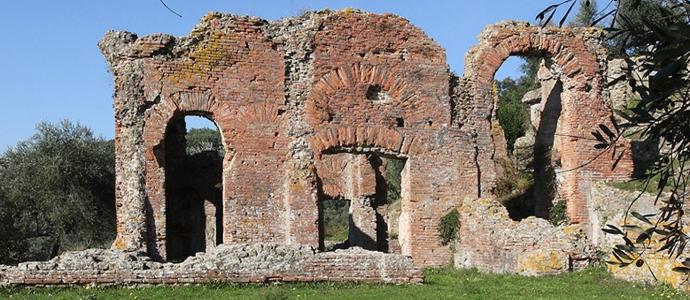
(362, 224)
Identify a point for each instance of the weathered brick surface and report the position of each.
(291, 98)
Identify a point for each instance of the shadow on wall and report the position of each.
(546, 156)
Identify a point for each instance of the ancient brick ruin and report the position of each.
(314, 107)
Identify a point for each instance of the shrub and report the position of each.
(515, 190)
(558, 215)
(448, 227)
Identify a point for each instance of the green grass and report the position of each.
(638, 185)
(635, 185)
(337, 233)
(447, 283)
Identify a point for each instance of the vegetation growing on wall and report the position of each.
(558, 214)
(448, 227)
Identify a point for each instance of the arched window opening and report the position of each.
(193, 184)
(527, 112)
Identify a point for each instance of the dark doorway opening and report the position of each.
(193, 187)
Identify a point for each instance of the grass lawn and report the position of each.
(592, 283)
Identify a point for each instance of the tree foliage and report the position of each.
(511, 113)
(204, 139)
(628, 33)
(393, 177)
(586, 14)
(56, 193)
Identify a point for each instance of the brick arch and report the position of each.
(183, 103)
(349, 83)
(583, 106)
(387, 141)
(577, 62)
(259, 120)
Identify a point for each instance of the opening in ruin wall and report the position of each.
(570, 107)
(314, 109)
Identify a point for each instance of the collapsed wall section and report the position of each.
(490, 241)
(238, 263)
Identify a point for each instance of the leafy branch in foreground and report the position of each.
(654, 37)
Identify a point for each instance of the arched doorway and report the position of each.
(576, 57)
(193, 186)
(527, 113)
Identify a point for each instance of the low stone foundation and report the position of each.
(227, 263)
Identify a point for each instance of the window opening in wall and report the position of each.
(400, 122)
(335, 214)
(193, 184)
(376, 94)
(366, 211)
(528, 108)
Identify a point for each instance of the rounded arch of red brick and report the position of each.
(583, 105)
(381, 139)
(348, 77)
(178, 104)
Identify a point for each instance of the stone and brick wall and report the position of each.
(283, 96)
(298, 103)
(256, 263)
(491, 242)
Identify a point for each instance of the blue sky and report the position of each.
(51, 69)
